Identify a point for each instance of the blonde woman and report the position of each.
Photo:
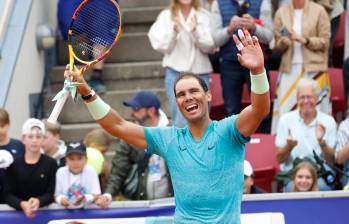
(304, 178)
(302, 35)
(182, 33)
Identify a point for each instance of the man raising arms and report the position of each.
(205, 158)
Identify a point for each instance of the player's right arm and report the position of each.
(108, 118)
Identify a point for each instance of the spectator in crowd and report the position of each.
(302, 33)
(205, 158)
(66, 9)
(227, 17)
(147, 174)
(7, 144)
(304, 130)
(77, 184)
(30, 180)
(304, 178)
(97, 142)
(334, 9)
(342, 149)
(53, 146)
(249, 187)
(182, 33)
(14, 146)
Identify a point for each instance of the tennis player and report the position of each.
(205, 158)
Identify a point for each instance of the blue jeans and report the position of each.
(170, 78)
(233, 77)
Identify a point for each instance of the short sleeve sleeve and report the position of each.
(227, 127)
(158, 139)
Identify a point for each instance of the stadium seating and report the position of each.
(337, 92)
(337, 97)
(217, 104)
(338, 45)
(261, 153)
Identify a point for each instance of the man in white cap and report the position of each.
(30, 180)
(249, 187)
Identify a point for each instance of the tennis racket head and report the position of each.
(94, 30)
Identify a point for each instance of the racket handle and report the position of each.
(57, 108)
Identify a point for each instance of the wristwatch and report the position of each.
(89, 96)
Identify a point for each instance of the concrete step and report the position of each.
(139, 19)
(136, 28)
(143, 3)
(118, 71)
(140, 15)
(77, 113)
(127, 84)
(76, 132)
(120, 76)
(132, 47)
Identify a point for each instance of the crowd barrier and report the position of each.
(260, 218)
(297, 208)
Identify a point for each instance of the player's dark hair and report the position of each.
(186, 75)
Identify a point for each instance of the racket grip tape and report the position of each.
(57, 109)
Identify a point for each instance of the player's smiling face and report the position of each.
(191, 99)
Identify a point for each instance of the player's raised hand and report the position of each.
(251, 54)
(75, 76)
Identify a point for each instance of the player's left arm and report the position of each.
(251, 57)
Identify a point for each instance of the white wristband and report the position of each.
(259, 83)
(98, 108)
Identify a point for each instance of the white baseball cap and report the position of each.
(6, 159)
(30, 124)
(248, 171)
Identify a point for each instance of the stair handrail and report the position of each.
(6, 6)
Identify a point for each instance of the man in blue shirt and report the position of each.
(205, 158)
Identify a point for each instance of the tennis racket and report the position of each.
(93, 32)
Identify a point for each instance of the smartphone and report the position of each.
(285, 32)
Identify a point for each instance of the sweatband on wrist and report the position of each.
(98, 108)
(259, 83)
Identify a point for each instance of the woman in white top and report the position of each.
(182, 33)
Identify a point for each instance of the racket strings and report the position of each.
(94, 29)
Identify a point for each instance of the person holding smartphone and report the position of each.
(302, 35)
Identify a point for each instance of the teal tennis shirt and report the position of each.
(207, 175)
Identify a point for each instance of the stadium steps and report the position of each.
(133, 65)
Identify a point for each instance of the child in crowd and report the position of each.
(30, 180)
(77, 184)
(9, 147)
(249, 187)
(14, 146)
(97, 142)
(304, 178)
(53, 146)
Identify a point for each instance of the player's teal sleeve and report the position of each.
(227, 129)
(158, 139)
